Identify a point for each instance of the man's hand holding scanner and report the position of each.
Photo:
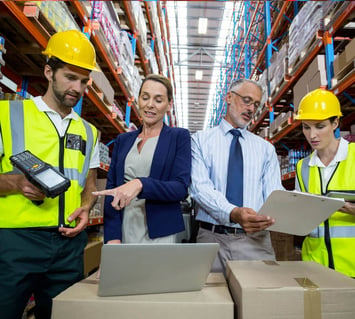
(18, 184)
(26, 188)
(122, 195)
(250, 220)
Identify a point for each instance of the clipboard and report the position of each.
(298, 213)
(346, 195)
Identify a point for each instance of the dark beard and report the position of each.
(61, 96)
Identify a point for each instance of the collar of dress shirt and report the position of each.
(226, 127)
(340, 155)
(42, 106)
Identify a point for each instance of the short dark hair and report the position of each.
(161, 79)
(55, 64)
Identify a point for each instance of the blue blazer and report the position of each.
(164, 188)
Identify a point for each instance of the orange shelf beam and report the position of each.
(259, 120)
(336, 25)
(284, 132)
(78, 7)
(95, 221)
(126, 5)
(288, 176)
(106, 112)
(350, 6)
(25, 22)
(152, 31)
(343, 85)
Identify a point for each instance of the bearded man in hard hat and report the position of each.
(331, 167)
(42, 238)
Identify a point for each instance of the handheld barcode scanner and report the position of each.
(43, 175)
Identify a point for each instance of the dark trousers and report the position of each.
(42, 263)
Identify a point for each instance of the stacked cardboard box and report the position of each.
(92, 256)
(303, 29)
(81, 301)
(290, 289)
(314, 77)
(278, 68)
(98, 209)
(280, 122)
(104, 86)
(284, 246)
(344, 59)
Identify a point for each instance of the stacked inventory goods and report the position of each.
(278, 68)
(303, 30)
(58, 15)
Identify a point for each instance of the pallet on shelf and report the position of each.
(309, 47)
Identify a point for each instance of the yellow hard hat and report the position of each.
(318, 105)
(72, 47)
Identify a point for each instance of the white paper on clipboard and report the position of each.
(298, 213)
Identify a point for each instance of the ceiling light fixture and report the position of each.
(199, 75)
(202, 25)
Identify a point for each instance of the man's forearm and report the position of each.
(87, 199)
(9, 184)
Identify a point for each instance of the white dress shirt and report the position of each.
(326, 172)
(210, 155)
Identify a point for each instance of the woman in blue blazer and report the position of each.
(149, 173)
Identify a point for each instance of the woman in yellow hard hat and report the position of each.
(331, 167)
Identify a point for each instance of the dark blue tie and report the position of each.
(234, 191)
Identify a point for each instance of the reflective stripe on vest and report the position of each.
(305, 172)
(332, 243)
(89, 146)
(16, 117)
(38, 134)
(335, 232)
(18, 141)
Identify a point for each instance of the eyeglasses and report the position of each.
(246, 100)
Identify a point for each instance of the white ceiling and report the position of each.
(192, 51)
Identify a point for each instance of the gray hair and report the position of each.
(238, 83)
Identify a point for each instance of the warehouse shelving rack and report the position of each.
(95, 106)
(240, 59)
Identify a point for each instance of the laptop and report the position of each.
(130, 269)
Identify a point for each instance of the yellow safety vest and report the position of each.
(24, 127)
(331, 243)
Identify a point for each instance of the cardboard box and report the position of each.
(314, 77)
(81, 301)
(290, 289)
(350, 51)
(92, 256)
(300, 89)
(104, 85)
(339, 63)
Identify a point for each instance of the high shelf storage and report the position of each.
(269, 43)
(283, 50)
(126, 52)
(26, 28)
